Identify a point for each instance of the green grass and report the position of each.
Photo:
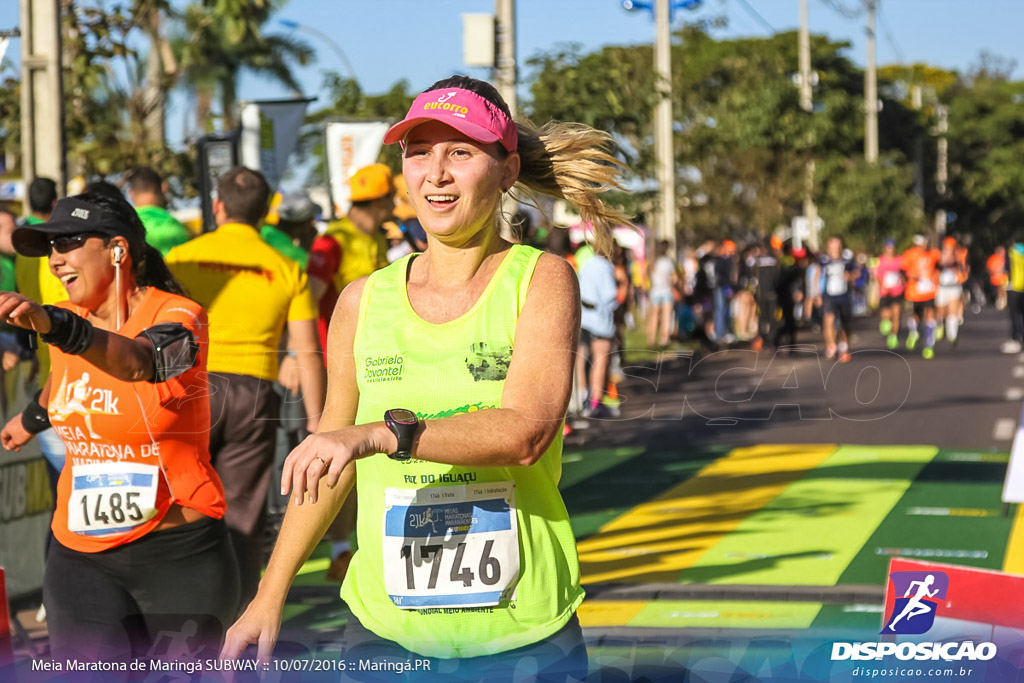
(636, 350)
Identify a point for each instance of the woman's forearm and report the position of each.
(302, 529)
(129, 360)
(498, 437)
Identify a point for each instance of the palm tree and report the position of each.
(221, 38)
(161, 67)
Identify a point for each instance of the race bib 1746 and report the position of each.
(111, 498)
(450, 546)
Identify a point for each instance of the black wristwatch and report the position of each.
(402, 424)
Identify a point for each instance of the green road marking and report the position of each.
(660, 538)
(726, 614)
(969, 540)
(605, 493)
(294, 609)
(850, 617)
(312, 571)
(972, 456)
(580, 465)
(810, 533)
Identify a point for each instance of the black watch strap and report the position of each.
(403, 424)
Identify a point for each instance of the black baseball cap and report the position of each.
(70, 216)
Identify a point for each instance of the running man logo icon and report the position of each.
(422, 519)
(914, 612)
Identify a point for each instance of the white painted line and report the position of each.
(866, 609)
(1014, 394)
(1018, 371)
(1004, 429)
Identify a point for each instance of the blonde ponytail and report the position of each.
(572, 161)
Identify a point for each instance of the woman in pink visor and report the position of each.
(449, 378)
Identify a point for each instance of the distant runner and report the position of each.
(919, 264)
(891, 285)
(837, 275)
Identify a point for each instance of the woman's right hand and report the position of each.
(19, 310)
(259, 625)
(14, 436)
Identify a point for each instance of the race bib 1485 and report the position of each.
(111, 498)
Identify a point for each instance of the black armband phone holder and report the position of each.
(34, 418)
(175, 350)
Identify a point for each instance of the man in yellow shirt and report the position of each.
(251, 294)
(354, 246)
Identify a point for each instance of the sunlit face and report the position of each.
(455, 182)
(835, 247)
(87, 272)
(7, 226)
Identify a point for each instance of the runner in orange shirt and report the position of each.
(140, 545)
(919, 264)
(998, 275)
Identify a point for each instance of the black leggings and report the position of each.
(171, 594)
(559, 658)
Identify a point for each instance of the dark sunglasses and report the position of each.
(62, 244)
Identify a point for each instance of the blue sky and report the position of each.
(421, 40)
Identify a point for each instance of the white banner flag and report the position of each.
(349, 147)
(270, 130)
(1013, 485)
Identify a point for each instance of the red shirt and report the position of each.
(324, 262)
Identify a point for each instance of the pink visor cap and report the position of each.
(463, 110)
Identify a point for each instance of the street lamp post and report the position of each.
(665, 227)
(807, 81)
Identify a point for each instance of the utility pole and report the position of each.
(942, 167)
(42, 97)
(663, 152)
(807, 104)
(871, 91)
(916, 102)
(505, 66)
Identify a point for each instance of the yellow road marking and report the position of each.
(658, 539)
(1013, 562)
(608, 613)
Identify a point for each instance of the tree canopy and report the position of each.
(741, 140)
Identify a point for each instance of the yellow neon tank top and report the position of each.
(436, 570)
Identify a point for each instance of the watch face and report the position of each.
(402, 415)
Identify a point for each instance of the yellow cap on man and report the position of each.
(371, 182)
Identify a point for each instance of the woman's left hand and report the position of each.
(21, 311)
(14, 435)
(325, 454)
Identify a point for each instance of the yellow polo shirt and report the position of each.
(33, 279)
(249, 291)
(361, 254)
